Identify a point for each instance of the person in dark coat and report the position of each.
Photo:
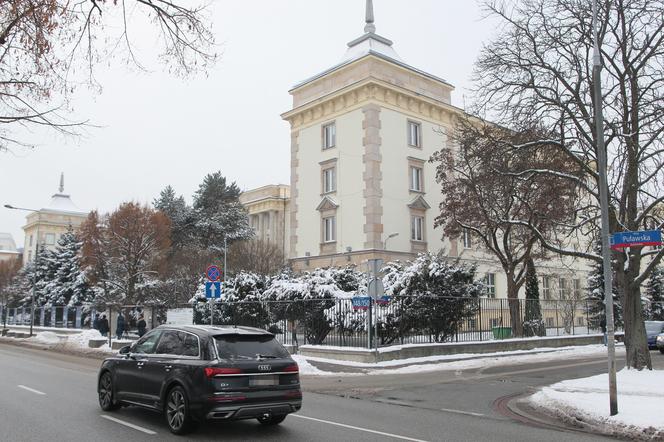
(95, 323)
(120, 326)
(142, 326)
(602, 325)
(103, 325)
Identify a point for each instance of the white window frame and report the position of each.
(329, 135)
(330, 180)
(330, 229)
(576, 288)
(563, 289)
(490, 280)
(416, 228)
(467, 239)
(416, 178)
(47, 239)
(546, 288)
(414, 134)
(550, 322)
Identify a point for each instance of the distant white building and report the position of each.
(45, 226)
(8, 247)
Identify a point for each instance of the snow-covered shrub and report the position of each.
(430, 295)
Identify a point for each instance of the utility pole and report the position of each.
(604, 205)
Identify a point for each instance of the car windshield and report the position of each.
(654, 327)
(249, 347)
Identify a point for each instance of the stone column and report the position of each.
(373, 192)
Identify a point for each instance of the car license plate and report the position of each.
(263, 381)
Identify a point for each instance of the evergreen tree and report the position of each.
(655, 294)
(69, 286)
(219, 214)
(533, 324)
(595, 310)
(180, 214)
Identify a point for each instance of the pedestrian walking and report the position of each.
(103, 325)
(120, 326)
(95, 322)
(142, 325)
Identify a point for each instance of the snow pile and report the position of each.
(46, 337)
(308, 369)
(586, 401)
(80, 340)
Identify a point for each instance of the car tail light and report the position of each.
(292, 369)
(293, 394)
(217, 371)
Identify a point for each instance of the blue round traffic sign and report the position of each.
(213, 273)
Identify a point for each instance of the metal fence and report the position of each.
(340, 322)
(406, 320)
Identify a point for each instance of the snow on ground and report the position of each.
(467, 361)
(308, 369)
(46, 337)
(640, 400)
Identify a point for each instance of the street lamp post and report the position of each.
(34, 272)
(604, 206)
(391, 235)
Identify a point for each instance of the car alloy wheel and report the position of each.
(106, 393)
(177, 412)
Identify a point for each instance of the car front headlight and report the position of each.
(660, 339)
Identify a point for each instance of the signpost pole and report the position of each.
(604, 204)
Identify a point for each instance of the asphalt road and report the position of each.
(49, 396)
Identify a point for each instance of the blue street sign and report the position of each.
(213, 273)
(361, 302)
(383, 300)
(623, 240)
(213, 290)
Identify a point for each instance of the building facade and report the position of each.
(8, 249)
(45, 226)
(362, 187)
(268, 208)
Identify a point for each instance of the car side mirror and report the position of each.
(125, 350)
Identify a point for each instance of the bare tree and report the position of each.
(49, 47)
(539, 69)
(256, 255)
(480, 199)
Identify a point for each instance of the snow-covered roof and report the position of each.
(368, 44)
(7, 243)
(62, 203)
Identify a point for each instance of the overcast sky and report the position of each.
(157, 130)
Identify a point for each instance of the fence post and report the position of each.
(481, 331)
(369, 326)
(557, 324)
(587, 322)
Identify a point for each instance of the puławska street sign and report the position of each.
(213, 273)
(622, 240)
(213, 290)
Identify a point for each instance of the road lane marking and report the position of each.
(366, 430)
(469, 413)
(32, 390)
(130, 425)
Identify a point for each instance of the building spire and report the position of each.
(369, 27)
(62, 182)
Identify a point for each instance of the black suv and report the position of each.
(198, 373)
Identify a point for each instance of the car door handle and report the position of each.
(140, 364)
(168, 367)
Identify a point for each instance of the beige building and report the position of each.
(45, 226)
(362, 133)
(8, 249)
(268, 208)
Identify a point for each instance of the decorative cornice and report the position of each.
(419, 203)
(371, 89)
(327, 204)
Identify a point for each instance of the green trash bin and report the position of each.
(502, 332)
